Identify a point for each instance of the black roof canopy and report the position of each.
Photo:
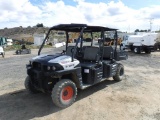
(77, 28)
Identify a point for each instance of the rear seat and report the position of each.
(108, 53)
(91, 54)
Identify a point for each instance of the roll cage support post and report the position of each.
(77, 41)
(67, 38)
(43, 42)
(116, 40)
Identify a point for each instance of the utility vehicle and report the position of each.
(78, 66)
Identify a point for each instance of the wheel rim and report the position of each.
(67, 93)
(135, 50)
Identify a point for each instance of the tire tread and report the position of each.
(56, 95)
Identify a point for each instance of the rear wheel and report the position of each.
(119, 73)
(148, 51)
(64, 93)
(29, 86)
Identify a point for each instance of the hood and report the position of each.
(44, 58)
(57, 60)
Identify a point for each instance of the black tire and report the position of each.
(137, 50)
(132, 48)
(64, 93)
(119, 73)
(29, 87)
(147, 51)
(3, 55)
(155, 47)
(18, 52)
(121, 47)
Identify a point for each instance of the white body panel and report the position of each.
(65, 61)
(148, 39)
(1, 50)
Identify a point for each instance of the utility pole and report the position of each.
(151, 22)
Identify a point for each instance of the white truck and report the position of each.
(143, 42)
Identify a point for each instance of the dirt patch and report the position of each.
(135, 98)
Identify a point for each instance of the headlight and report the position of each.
(48, 67)
(53, 68)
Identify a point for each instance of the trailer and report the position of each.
(140, 43)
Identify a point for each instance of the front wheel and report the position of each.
(119, 73)
(28, 85)
(64, 93)
(137, 50)
(147, 51)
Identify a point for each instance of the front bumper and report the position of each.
(41, 80)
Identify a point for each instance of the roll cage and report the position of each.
(82, 28)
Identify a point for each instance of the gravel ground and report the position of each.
(135, 98)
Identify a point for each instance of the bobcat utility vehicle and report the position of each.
(78, 66)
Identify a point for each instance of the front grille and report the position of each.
(36, 65)
(45, 68)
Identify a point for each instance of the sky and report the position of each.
(125, 15)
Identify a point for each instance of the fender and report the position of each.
(75, 72)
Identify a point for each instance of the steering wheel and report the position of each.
(63, 52)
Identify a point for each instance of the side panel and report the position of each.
(74, 74)
(137, 44)
(92, 75)
(149, 40)
(109, 70)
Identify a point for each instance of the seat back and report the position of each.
(107, 52)
(91, 54)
